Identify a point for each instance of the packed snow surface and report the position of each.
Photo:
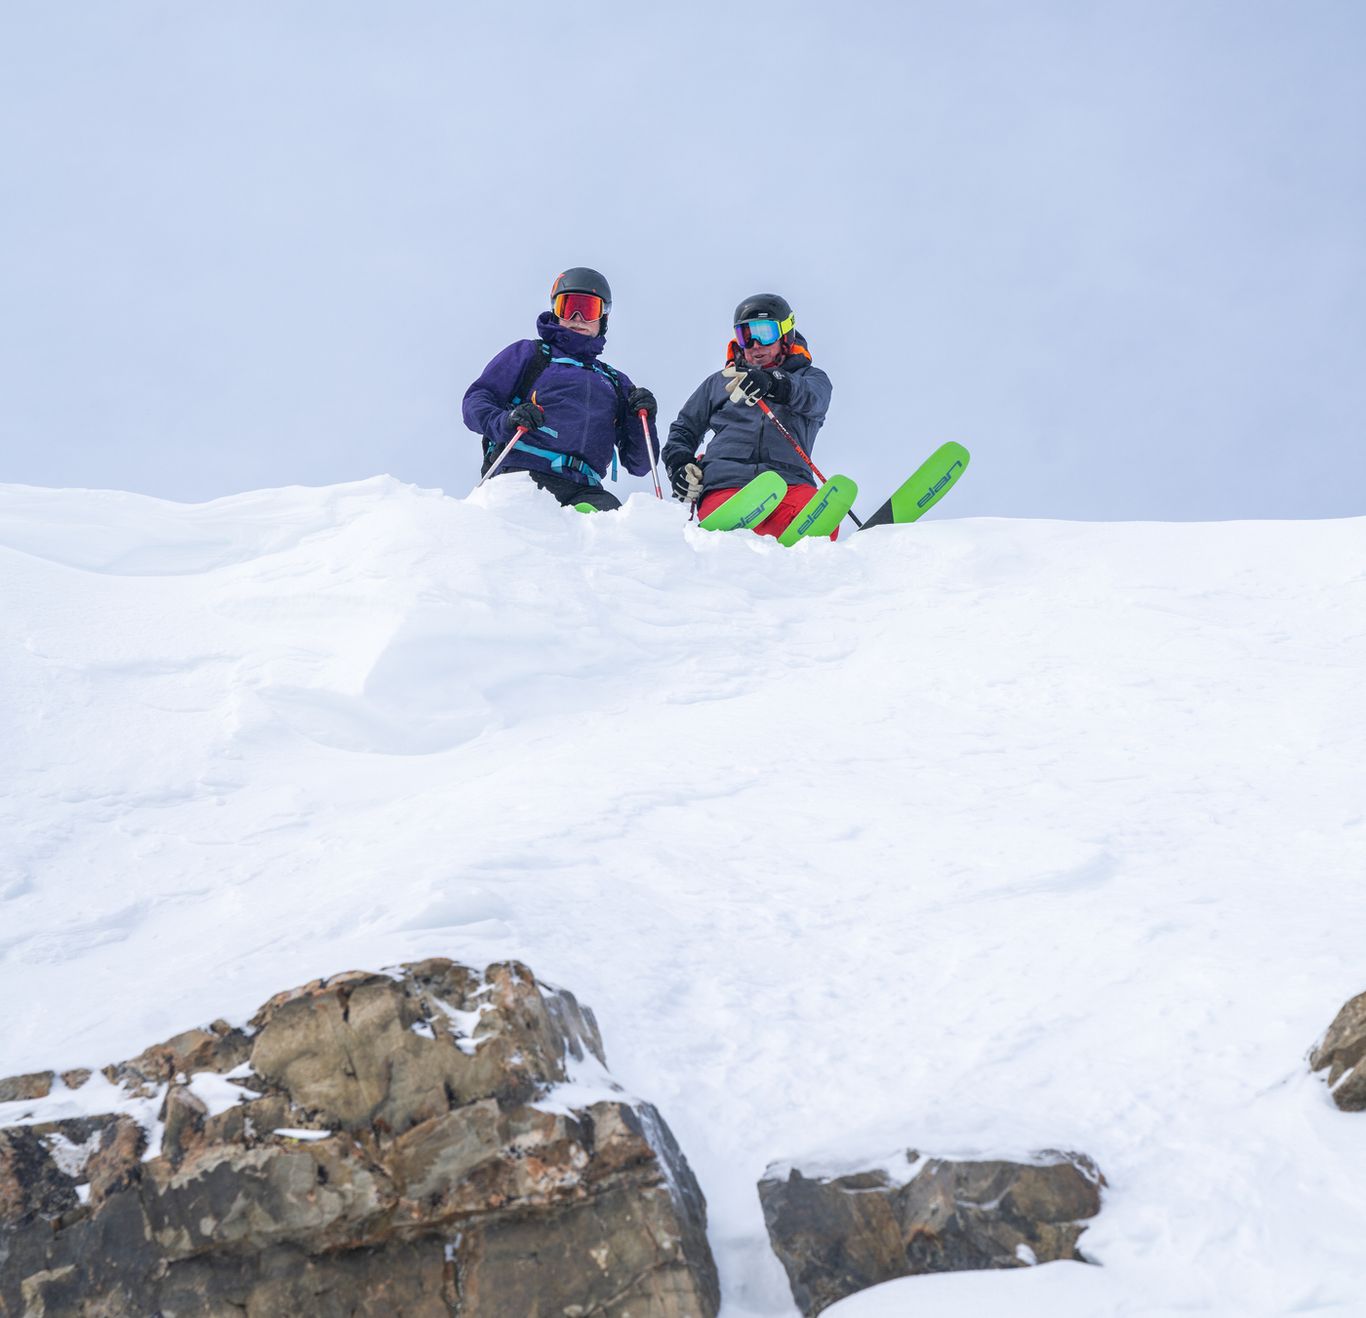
(968, 837)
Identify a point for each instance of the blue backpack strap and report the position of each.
(562, 461)
(530, 372)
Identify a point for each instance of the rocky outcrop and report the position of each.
(19, 1088)
(839, 1234)
(400, 1143)
(1341, 1052)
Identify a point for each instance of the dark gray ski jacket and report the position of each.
(745, 442)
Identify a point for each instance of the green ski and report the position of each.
(932, 480)
(823, 512)
(748, 506)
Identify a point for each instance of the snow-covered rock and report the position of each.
(839, 1234)
(332, 1157)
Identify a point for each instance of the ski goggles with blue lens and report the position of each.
(762, 333)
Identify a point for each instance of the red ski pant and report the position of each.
(796, 498)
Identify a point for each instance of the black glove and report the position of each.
(528, 414)
(686, 481)
(643, 398)
(779, 386)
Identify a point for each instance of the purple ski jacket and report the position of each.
(585, 412)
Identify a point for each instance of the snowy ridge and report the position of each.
(974, 835)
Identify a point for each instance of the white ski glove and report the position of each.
(751, 383)
(737, 377)
(687, 483)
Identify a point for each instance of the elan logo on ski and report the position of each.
(938, 486)
(929, 483)
(760, 514)
(823, 512)
(829, 505)
(749, 506)
(813, 512)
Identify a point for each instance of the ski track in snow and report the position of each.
(973, 837)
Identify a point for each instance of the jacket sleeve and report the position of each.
(810, 394)
(631, 438)
(689, 428)
(487, 400)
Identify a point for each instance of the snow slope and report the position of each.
(973, 836)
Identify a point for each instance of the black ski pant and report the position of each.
(569, 492)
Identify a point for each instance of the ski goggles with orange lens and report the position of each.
(761, 333)
(586, 306)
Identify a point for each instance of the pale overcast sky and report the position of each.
(1115, 249)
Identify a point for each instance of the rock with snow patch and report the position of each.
(1341, 1052)
(839, 1234)
(369, 1143)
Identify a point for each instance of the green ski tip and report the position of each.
(932, 480)
(824, 511)
(748, 506)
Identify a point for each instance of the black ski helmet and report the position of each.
(584, 279)
(767, 306)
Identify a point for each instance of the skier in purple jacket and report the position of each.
(579, 413)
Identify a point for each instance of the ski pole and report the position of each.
(511, 444)
(650, 449)
(801, 452)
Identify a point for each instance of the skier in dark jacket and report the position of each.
(766, 359)
(578, 412)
